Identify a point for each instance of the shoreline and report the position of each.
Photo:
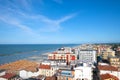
(30, 58)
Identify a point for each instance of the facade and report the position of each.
(68, 57)
(118, 49)
(54, 62)
(83, 73)
(108, 53)
(114, 61)
(65, 75)
(28, 74)
(48, 70)
(87, 56)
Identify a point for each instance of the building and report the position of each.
(40, 77)
(54, 62)
(65, 74)
(8, 76)
(108, 53)
(48, 70)
(114, 61)
(83, 72)
(104, 69)
(87, 56)
(28, 74)
(108, 77)
(2, 72)
(68, 57)
(118, 49)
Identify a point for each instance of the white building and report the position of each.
(2, 72)
(83, 72)
(87, 56)
(28, 74)
(64, 50)
(54, 62)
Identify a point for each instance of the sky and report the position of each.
(59, 21)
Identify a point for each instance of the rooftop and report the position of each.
(8, 75)
(18, 65)
(107, 67)
(45, 66)
(108, 76)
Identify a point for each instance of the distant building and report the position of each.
(54, 62)
(108, 53)
(87, 56)
(68, 57)
(118, 49)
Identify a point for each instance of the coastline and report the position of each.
(35, 55)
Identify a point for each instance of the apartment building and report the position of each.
(68, 57)
(114, 61)
(83, 72)
(47, 70)
(87, 56)
(108, 53)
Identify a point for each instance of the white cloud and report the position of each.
(14, 14)
(50, 25)
(16, 23)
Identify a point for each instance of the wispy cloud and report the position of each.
(50, 24)
(14, 15)
(16, 23)
(20, 4)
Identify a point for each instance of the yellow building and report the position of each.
(47, 70)
(114, 61)
(108, 53)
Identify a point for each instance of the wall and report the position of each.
(27, 74)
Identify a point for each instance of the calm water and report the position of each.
(13, 52)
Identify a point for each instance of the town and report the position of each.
(83, 62)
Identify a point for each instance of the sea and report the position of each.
(13, 52)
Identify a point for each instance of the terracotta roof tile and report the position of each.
(107, 67)
(8, 75)
(51, 78)
(45, 67)
(18, 65)
(108, 76)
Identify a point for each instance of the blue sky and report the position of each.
(59, 21)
